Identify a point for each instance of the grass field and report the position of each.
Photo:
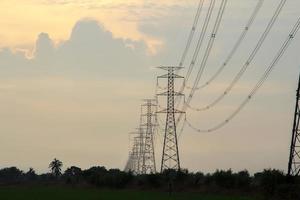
(52, 193)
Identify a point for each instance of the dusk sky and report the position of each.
(73, 74)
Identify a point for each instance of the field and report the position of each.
(52, 193)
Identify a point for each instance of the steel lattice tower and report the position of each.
(294, 160)
(133, 161)
(149, 165)
(141, 149)
(170, 154)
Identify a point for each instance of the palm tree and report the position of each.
(55, 167)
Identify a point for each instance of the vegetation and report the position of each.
(50, 193)
(269, 184)
(55, 167)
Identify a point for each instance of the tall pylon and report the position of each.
(141, 149)
(133, 161)
(149, 165)
(170, 154)
(294, 159)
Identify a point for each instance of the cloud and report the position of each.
(120, 17)
(90, 51)
(75, 89)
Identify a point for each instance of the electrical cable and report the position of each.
(206, 54)
(261, 81)
(244, 67)
(235, 46)
(192, 33)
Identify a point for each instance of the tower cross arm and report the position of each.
(172, 93)
(166, 111)
(167, 76)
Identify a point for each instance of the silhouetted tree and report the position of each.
(95, 175)
(31, 175)
(73, 175)
(223, 178)
(271, 184)
(243, 179)
(11, 175)
(269, 181)
(198, 179)
(55, 167)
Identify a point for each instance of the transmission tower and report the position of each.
(149, 166)
(141, 149)
(133, 161)
(294, 160)
(170, 154)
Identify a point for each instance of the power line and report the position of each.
(261, 81)
(235, 46)
(206, 54)
(192, 33)
(189, 41)
(198, 46)
(200, 40)
(245, 66)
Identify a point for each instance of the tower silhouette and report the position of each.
(294, 159)
(141, 134)
(149, 165)
(133, 161)
(170, 154)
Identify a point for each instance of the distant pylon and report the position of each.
(170, 154)
(149, 165)
(141, 149)
(136, 153)
(132, 163)
(128, 163)
(294, 159)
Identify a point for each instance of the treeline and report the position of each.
(269, 184)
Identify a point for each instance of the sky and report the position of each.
(73, 74)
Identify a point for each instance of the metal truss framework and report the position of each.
(170, 154)
(133, 161)
(294, 159)
(148, 156)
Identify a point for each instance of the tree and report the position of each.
(31, 175)
(73, 174)
(55, 167)
(11, 175)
